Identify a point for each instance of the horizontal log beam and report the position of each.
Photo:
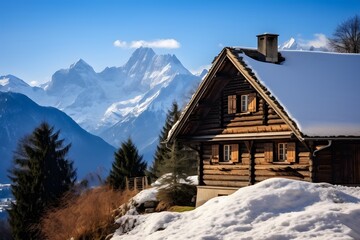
(226, 183)
(226, 178)
(231, 172)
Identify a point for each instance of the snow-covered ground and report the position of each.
(273, 209)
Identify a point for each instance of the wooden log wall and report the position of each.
(239, 174)
(324, 165)
(217, 121)
(224, 175)
(299, 170)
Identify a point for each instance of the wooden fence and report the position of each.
(136, 183)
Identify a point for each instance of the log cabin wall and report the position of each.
(225, 174)
(252, 165)
(299, 169)
(323, 163)
(339, 163)
(219, 121)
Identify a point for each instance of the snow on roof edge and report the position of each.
(245, 57)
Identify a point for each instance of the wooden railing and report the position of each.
(136, 183)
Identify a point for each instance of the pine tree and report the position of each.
(162, 150)
(40, 176)
(128, 163)
(178, 163)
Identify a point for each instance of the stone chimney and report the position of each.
(268, 46)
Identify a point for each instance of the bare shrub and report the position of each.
(176, 194)
(87, 216)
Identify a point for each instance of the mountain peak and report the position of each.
(290, 44)
(142, 54)
(81, 64)
(11, 80)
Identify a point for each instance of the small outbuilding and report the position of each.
(260, 113)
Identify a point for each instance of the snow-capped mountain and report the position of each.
(292, 44)
(19, 116)
(145, 127)
(118, 102)
(10, 83)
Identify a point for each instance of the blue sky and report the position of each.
(39, 37)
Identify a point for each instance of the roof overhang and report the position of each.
(348, 138)
(243, 136)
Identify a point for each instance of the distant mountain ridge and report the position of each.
(19, 116)
(114, 102)
(292, 44)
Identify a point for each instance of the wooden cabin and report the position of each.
(260, 113)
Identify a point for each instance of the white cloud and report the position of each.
(319, 41)
(119, 43)
(160, 43)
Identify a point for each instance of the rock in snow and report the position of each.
(273, 209)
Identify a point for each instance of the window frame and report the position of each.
(244, 103)
(282, 152)
(227, 150)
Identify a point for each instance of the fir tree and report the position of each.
(162, 150)
(128, 163)
(178, 163)
(40, 176)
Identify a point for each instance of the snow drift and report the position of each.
(273, 209)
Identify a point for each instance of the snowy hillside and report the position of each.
(273, 209)
(19, 116)
(131, 100)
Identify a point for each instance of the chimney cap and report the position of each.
(268, 34)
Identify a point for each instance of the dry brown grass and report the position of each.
(88, 216)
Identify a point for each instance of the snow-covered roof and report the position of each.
(319, 91)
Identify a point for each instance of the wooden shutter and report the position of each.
(252, 102)
(215, 153)
(231, 104)
(268, 152)
(291, 152)
(235, 153)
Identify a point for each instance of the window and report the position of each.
(282, 152)
(244, 103)
(227, 153)
(286, 152)
(247, 103)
